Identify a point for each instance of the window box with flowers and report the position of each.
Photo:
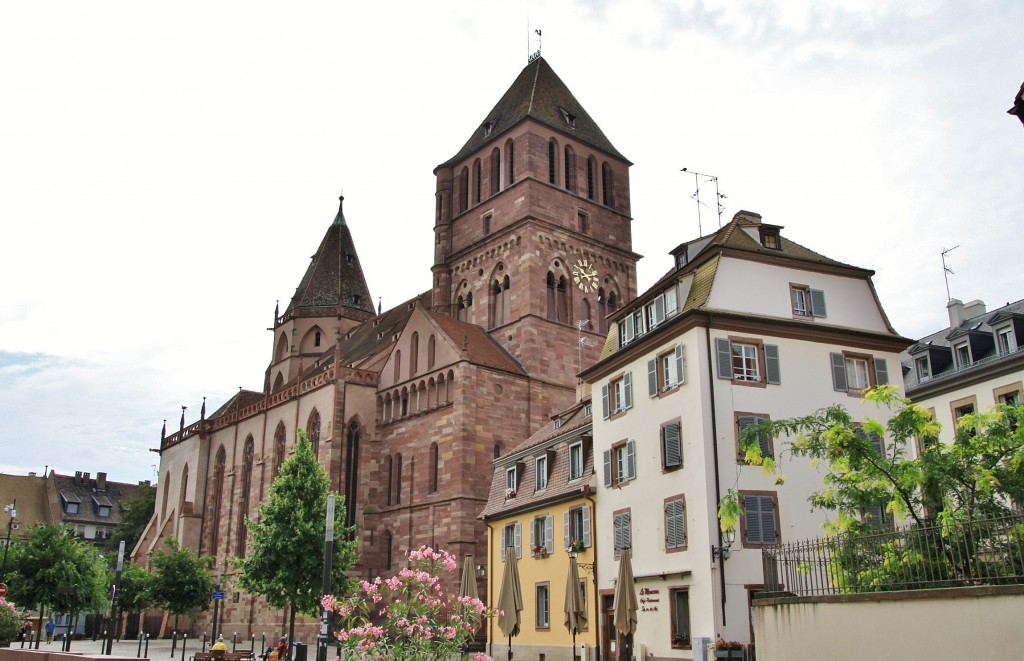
(576, 546)
(540, 552)
(727, 649)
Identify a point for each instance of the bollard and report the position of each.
(204, 641)
(234, 642)
(174, 642)
(184, 642)
(138, 654)
(147, 646)
(252, 643)
(263, 645)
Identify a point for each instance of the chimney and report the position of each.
(101, 481)
(78, 477)
(974, 309)
(955, 307)
(748, 217)
(85, 478)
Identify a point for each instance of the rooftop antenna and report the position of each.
(696, 196)
(946, 270)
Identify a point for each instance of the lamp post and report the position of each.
(109, 644)
(325, 617)
(216, 605)
(12, 510)
(728, 537)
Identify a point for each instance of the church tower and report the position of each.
(331, 298)
(532, 231)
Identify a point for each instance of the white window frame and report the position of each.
(962, 352)
(511, 479)
(543, 609)
(576, 461)
(747, 356)
(801, 301)
(542, 472)
(923, 368)
(1005, 341)
(854, 375)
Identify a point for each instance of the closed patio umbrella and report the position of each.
(575, 608)
(467, 585)
(510, 599)
(625, 605)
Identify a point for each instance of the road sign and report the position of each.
(218, 595)
(3, 589)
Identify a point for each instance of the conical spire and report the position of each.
(340, 218)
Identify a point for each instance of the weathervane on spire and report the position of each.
(533, 56)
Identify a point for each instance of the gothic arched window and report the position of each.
(552, 162)
(464, 190)
(219, 468)
(591, 166)
(414, 353)
(607, 184)
(477, 183)
(313, 432)
(280, 441)
(434, 467)
(510, 159)
(247, 461)
(495, 174)
(570, 166)
(430, 351)
(351, 471)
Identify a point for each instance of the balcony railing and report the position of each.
(959, 554)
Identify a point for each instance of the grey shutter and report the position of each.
(670, 525)
(607, 468)
(627, 534)
(659, 309)
(818, 303)
(630, 460)
(838, 372)
(533, 535)
(586, 526)
(768, 532)
(565, 528)
(504, 543)
(675, 524)
(519, 540)
(671, 446)
(724, 351)
(604, 400)
(752, 520)
(549, 533)
(627, 391)
(771, 362)
(680, 365)
(881, 372)
(617, 533)
(652, 377)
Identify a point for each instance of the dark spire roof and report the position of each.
(538, 93)
(334, 277)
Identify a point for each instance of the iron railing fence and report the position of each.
(979, 552)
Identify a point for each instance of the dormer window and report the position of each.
(1005, 341)
(349, 258)
(770, 239)
(570, 119)
(488, 127)
(71, 508)
(963, 355)
(104, 511)
(924, 371)
(558, 423)
(682, 257)
(510, 481)
(356, 299)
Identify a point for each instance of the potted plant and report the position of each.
(727, 649)
(540, 551)
(576, 545)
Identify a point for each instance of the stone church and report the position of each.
(407, 408)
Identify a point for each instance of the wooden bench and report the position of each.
(237, 655)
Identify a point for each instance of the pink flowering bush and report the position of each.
(415, 618)
(10, 620)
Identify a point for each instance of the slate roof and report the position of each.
(241, 399)
(90, 497)
(575, 423)
(475, 345)
(375, 335)
(334, 276)
(538, 93)
(979, 331)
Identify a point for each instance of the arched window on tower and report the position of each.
(352, 438)
(398, 365)
(219, 469)
(570, 169)
(602, 311)
(389, 544)
(613, 302)
(591, 168)
(462, 307)
(552, 162)
(398, 478)
(430, 351)
(607, 185)
(464, 189)
(510, 160)
(282, 348)
(495, 174)
(585, 314)
(562, 300)
(434, 467)
(414, 353)
(313, 432)
(391, 478)
(280, 442)
(477, 183)
(183, 491)
(499, 301)
(243, 511)
(552, 314)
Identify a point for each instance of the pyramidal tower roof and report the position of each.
(538, 93)
(334, 277)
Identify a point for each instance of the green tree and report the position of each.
(134, 520)
(286, 549)
(181, 582)
(133, 595)
(55, 571)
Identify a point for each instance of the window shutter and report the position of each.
(617, 533)
(533, 535)
(771, 362)
(604, 400)
(768, 532)
(680, 365)
(874, 515)
(630, 460)
(519, 540)
(627, 531)
(724, 350)
(504, 543)
(838, 372)
(818, 303)
(607, 468)
(881, 372)
(652, 377)
(670, 525)
(675, 524)
(549, 533)
(565, 528)
(659, 309)
(752, 520)
(671, 446)
(586, 526)
(627, 391)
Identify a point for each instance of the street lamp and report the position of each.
(109, 642)
(728, 537)
(325, 618)
(8, 509)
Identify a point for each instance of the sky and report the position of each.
(168, 168)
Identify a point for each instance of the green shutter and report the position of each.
(671, 445)
(724, 351)
(772, 365)
(838, 372)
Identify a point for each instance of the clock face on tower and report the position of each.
(585, 276)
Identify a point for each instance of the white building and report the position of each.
(748, 325)
(970, 366)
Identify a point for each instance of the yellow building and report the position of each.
(541, 505)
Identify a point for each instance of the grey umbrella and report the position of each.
(625, 606)
(467, 585)
(510, 599)
(575, 608)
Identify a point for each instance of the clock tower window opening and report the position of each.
(500, 301)
(583, 222)
(591, 168)
(607, 185)
(462, 306)
(495, 173)
(510, 154)
(552, 162)
(557, 298)
(585, 314)
(464, 190)
(570, 169)
(477, 183)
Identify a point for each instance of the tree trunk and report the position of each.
(291, 629)
(39, 624)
